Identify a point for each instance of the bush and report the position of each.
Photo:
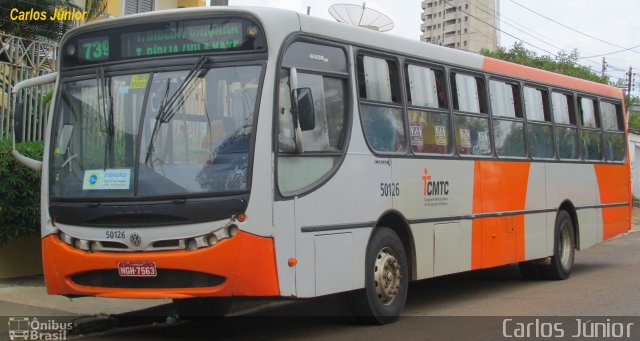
(19, 192)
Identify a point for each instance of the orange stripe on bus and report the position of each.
(246, 261)
(542, 76)
(498, 187)
(614, 186)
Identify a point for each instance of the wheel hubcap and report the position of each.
(387, 276)
(565, 246)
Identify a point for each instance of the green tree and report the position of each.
(44, 29)
(564, 63)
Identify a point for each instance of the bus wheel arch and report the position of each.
(568, 207)
(399, 224)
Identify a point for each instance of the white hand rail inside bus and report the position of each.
(36, 81)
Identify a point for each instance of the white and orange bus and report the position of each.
(204, 154)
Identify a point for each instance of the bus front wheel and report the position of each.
(386, 280)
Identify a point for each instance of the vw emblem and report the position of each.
(135, 239)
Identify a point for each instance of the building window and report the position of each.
(466, 6)
(138, 6)
(465, 43)
(465, 30)
(466, 18)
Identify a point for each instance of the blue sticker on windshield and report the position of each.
(124, 89)
(106, 179)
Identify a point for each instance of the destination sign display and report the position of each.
(164, 38)
(183, 38)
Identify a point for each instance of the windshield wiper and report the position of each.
(166, 111)
(107, 113)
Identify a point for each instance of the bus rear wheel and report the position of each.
(386, 280)
(558, 266)
(202, 307)
(564, 248)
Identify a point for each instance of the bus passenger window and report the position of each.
(379, 109)
(590, 129)
(468, 93)
(429, 127)
(539, 126)
(508, 127)
(566, 130)
(471, 122)
(613, 124)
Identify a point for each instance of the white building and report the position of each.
(466, 24)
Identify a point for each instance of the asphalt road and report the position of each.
(605, 284)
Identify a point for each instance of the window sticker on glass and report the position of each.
(465, 138)
(441, 135)
(106, 179)
(483, 142)
(416, 135)
(139, 81)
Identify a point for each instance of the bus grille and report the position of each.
(166, 278)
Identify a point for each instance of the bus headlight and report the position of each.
(233, 230)
(192, 245)
(212, 239)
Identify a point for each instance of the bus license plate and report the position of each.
(137, 269)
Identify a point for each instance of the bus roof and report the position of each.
(450, 56)
(280, 22)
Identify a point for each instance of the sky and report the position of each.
(612, 25)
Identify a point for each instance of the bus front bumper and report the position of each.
(244, 265)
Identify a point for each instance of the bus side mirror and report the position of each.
(18, 119)
(304, 105)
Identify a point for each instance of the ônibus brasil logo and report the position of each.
(25, 328)
(436, 192)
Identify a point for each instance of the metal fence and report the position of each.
(22, 59)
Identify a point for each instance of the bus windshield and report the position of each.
(153, 134)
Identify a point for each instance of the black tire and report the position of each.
(564, 248)
(202, 307)
(386, 280)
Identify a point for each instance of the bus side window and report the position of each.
(508, 126)
(429, 127)
(613, 125)
(323, 145)
(470, 115)
(590, 129)
(566, 130)
(380, 107)
(539, 126)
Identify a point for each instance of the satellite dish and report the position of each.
(361, 16)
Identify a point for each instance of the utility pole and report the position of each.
(604, 66)
(629, 82)
(308, 10)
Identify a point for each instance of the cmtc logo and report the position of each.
(436, 192)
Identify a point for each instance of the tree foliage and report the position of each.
(20, 188)
(45, 29)
(564, 63)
